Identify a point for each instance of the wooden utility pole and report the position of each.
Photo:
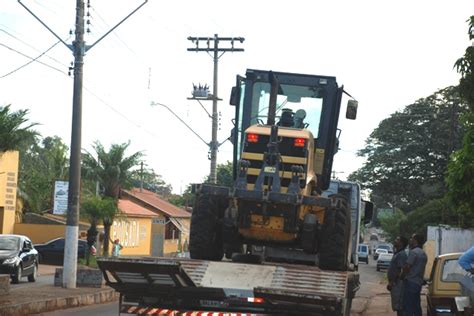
(215, 49)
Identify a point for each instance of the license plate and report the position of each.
(270, 169)
(208, 303)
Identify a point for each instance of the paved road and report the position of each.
(45, 276)
(370, 279)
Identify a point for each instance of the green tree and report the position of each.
(433, 213)
(15, 130)
(184, 200)
(224, 178)
(151, 181)
(392, 224)
(41, 164)
(96, 208)
(113, 170)
(407, 154)
(460, 173)
(224, 175)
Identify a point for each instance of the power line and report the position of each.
(31, 60)
(119, 113)
(85, 88)
(17, 69)
(27, 44)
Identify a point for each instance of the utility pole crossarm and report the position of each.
(117, 25)
(46, 26)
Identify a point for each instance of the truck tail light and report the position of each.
(252, 138)
(299, 142)
(257, 300)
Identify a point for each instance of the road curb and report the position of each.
(48, 305)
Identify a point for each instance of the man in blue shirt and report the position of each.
(466, 260)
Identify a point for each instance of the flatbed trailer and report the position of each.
(178, 286)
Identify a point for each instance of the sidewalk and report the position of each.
(46, 269)
(44, 298)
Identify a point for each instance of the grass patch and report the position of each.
(92, 262)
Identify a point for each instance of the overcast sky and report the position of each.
(387, 54)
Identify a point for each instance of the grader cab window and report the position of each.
(305, 102)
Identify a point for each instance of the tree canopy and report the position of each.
(41, 164)
(112, 168)
(15, 130)
(223, 174)
(408, 153)
(151, 181)
(461, 166)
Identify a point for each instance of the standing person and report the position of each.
(466, 261)
(116, 247)
(413, 272)
(394, 272)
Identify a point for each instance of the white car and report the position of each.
(378, 251)
(384, 261)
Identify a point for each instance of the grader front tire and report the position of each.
(205, 237)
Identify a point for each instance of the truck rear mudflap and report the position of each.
(184, 286)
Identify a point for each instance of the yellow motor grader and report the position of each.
(285, 138)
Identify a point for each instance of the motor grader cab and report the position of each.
(284, 139)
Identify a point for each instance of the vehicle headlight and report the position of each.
(10, 260)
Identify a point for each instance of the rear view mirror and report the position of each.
(368, 211)
(236, 91)
(234, 96)
(351, 111)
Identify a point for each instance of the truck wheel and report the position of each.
(205, 236)
(335, 236)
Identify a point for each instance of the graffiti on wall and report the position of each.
(128, 232)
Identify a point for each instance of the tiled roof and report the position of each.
(132, 209)
(155, 201)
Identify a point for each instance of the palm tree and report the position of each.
(112, 169)
(96, 208)
(13, 132)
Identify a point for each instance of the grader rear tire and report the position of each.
(335, 236)
(205, 236)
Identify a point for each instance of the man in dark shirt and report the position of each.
(413, 272)
(395, 284)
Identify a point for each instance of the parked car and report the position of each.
(379, 251)
(52, 252)
(443, 285)
(363, 253)
(385, 246)
(383, 261)
(18, 257)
